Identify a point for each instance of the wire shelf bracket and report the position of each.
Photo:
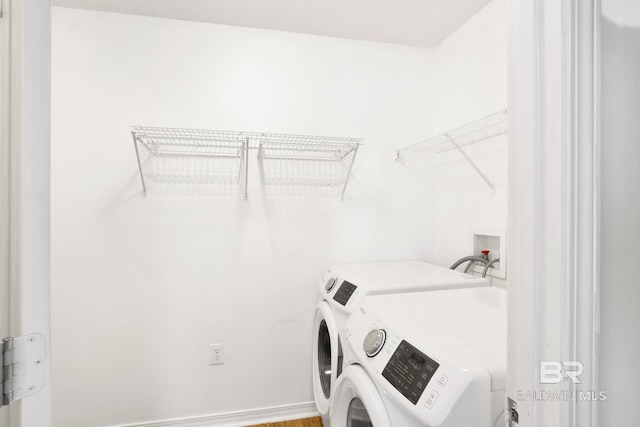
(168, 155)
(483, 129)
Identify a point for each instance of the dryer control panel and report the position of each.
(409, 371)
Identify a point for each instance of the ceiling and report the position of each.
(423, 23)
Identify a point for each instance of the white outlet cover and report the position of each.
(216, 354)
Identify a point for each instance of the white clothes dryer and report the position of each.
(340, 291)
(425, 359)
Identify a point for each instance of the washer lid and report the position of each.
(401, 274)
(356, 281)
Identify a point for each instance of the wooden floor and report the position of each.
(307, 422)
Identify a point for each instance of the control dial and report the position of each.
(374, 341)
(330, 284)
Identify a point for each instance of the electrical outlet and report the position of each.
(216, 355)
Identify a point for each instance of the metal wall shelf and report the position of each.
(306, 161)
(483, 129)
(168, 155)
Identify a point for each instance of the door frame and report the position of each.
(9, 415)
(554, 193)
(24, 217)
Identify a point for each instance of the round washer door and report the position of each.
(357, 402)
(327, 357)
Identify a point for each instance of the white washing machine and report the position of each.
(435, 359)
(341, 290)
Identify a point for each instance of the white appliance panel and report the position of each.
(443, 355)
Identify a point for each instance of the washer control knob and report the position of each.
(374, 341)
(330, 284)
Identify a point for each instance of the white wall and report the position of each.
(620, 293)
(142, 286)
(468, 75)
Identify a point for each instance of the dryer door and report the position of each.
(327, 357)
(356, 401)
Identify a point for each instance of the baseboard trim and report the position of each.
(238, 419)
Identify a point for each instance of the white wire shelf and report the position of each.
(189, 156)
(169, 155)
(483, 129)
(296, 160)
